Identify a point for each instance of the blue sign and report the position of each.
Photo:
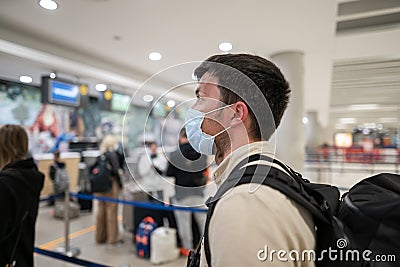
(64, 93)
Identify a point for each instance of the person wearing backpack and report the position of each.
(107, 213)
(241, 99)
(20, 186)
(58, 174)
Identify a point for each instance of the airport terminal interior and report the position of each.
(74, 72)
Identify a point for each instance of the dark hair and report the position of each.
(13, 144)
(57, 154)
(233, 87)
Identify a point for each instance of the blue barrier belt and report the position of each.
(138, 204)
(50, 197)
(66, 258)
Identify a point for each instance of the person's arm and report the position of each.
(7, 210)
(144, 165)
(52, 172)
(112, 157)
(160, 164)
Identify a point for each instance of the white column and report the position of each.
(290, 137)
(313, 131)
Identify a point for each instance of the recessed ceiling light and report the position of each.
(148, 98)
(305, 120)
(155, 56)
(53, 75)
(364, 107)
(171, 103)
(225, 47)
(347, 120)
(25, 79)
(101, 87)
(48, 4)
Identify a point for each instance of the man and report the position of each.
(230, 114)
(187, 167)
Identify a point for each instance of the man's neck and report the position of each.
(225, 150)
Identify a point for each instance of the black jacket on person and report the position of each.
(20, 186)
(187, 166)
(113, 159)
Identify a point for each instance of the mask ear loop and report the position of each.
(215, 135)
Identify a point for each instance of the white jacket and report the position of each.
(244, 224)
(151, 179)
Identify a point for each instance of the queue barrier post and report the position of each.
(67, 250)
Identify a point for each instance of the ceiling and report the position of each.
(109, 41)
(118, 35)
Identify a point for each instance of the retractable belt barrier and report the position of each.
(138, 204)
(66, 258)
(52, 197)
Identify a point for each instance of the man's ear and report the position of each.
(240, 114)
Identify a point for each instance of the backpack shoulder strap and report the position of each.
(279, 176)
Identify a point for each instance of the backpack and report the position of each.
(343, 233)
(100, 175)
(61, 179)
(370, 212)
(142, 237)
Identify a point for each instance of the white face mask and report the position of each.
(200, 141)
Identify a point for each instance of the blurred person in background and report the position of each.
(107, 214)
(151, 167)
(187, 167)
(20, 186)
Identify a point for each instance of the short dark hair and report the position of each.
(262, 72)
(57, 154)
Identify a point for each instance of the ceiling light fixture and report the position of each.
(48, 4)
(148, 98)
(155, 56)
(25, 79)
(225, 47)
(347, 120)
(101, 87)
(171, 103)
(364, 107)
(53, 75)
(305, 120)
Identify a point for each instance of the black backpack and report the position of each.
(322, 201)
(370, 212)
(100, 175)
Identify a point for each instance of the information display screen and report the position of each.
(56, 91)
(64, 93)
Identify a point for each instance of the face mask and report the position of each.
(200, 141)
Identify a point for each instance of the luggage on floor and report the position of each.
(163, 247)
(131, 193)
(142, 237)
(85, 204)
(85, 188)
(74, 210)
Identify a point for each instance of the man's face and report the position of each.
(208, 99)
(153, 148)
